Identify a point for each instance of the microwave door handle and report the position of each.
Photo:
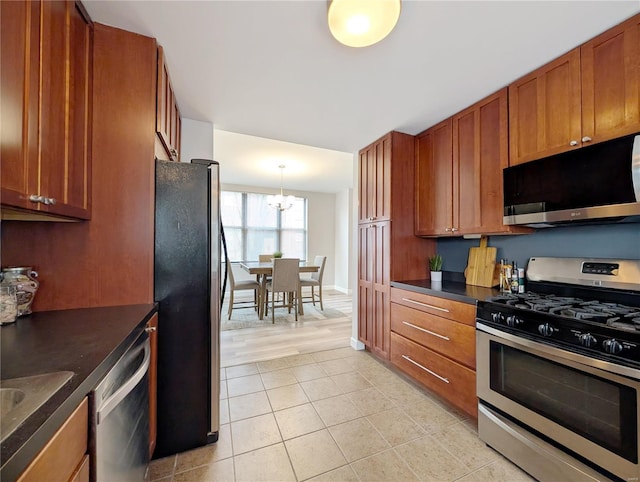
(112, 402)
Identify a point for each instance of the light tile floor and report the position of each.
(335, 415)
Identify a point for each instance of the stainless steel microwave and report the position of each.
(599, 183)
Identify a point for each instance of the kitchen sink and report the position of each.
(21, 397)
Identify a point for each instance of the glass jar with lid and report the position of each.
(23, 279)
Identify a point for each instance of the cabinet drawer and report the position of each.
(450, 380)
(454, 310)
(60, 458)
(452, 339)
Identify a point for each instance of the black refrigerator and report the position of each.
(187, 289)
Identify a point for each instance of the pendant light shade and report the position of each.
(279, 201)
(360, 23)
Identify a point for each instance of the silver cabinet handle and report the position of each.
(586, 139)
(447, 229)
(150, 329)
(573, 143)
(425, 305)
(454, 229)
(426, 331)
(35, 198)
(446, 380)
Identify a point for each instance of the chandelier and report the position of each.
(278, 201)
(360, 23)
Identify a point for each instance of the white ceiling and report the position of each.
(271, 69)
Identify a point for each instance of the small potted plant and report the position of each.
(277, 254)
(435, 265)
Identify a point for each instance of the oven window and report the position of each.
(598, 409)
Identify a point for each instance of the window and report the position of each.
(252, 227)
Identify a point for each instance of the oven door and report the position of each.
(586, 405)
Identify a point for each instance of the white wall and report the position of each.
(196, 140)
(343, 239)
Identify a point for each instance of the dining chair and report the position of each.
(285, 280)
(314, 281)
(242, 286)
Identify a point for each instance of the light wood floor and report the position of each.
(250, 345)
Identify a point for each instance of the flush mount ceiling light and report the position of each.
(278, 201)
(360, 23)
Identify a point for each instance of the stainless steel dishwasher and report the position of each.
(121, 417)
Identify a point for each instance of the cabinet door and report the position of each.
(66, 115)
(544, 110)
(19, 67)
(45, 149)
(381, 248)
(375, 181)
(480, 154)
(611, 83)
(168, 123)
(366, 244)
(434, 182)
(152, 329)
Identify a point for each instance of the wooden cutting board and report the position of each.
(481, 265)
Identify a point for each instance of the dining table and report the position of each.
(263, 270)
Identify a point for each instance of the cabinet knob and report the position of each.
(454, 229)
(573, 143)
(586, 139)
(49, 201)
(447, 229)
(34, 198)
(150, 329)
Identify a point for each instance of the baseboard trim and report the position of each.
(356, 344)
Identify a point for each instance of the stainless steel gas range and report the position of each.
(558, 370)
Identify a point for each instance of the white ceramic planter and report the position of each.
(436, 276)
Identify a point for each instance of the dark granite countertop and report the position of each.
(452, 289)
(85, 341)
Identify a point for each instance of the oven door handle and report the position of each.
(553, 351)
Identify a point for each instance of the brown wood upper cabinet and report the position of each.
(46, 108)
(375, 181)
(588, 95)
(168, 121)
(459, 166)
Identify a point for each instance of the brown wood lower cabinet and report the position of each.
(65, 455)
(452, 381)
(433, 341)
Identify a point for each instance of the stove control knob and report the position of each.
(546, 329)
(497, 317)
(513, 321)
(588, 340)
(612, 346)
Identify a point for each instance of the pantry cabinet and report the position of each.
(433, 340)
(168, 121)
(46, 110)
(589, 95)
(388, 250)
(459, 165)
